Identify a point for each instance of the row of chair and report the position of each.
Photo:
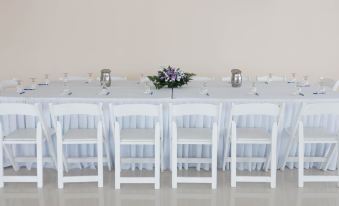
(154, 137)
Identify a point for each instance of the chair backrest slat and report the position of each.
(320, 109)
(19, 109)
(76, 109)
(195, 109)
(256, 109)
(135, 110)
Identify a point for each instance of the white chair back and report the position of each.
(272, 78)
(256, 109)
(135, 110)
(7, 83)
(76, 109)
(211, 110)
(201, 78)
(19, 109)
(320, 109)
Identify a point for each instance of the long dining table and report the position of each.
(122, 92)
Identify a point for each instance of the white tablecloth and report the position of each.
(219, 92)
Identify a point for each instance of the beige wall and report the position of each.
(137, 36)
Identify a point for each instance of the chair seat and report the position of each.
(319, 135)
(80, 136)
(137, 136)
(194, 136)
(21, 135)
(253, 135)
(316, 135)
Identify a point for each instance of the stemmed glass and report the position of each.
(46, 79)
(19, 87)
(322, 86)
(67, 90)
(141, 78)
(270, 76)
(204, 89)
(293, 78)
(33, 85)
(90, 79)
(148, 88)
(306, 83)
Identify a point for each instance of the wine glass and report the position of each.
(270, 76)
(204, 89)
(33, 85)
(322, 86)
(141, 78)
(46, 79)
(148, 88)
(90, 79)
(254, 89)
(19, 87)
(65, 79)
(306, 83)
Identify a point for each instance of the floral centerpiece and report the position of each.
(171, 77)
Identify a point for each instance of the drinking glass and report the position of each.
(33, 85)
(90, 79)
(270, 76)
(19, 86)
(322, 85)
(306, 83)
(46, 79)
(254, 87)
(148, 88)
(204, 89)
(65, 80)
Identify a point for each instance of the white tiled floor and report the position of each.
(246, 194)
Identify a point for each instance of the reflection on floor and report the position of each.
(246, 194)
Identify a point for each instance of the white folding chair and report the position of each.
(202, 78)
(195, 136)
(79, 137)
(254, 136)
(26, 136)
(140, 136)
(317, 135)
(271, 78)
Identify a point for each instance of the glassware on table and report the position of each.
(141, 78)
(19, 88)
(293, 78)
(65, 79)
(322, 85)
(148, 88)
(305, 82)
(46, 79)
(204, 89)
(33, 85)
(254, 90)
(270, 77)
(90, 77)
